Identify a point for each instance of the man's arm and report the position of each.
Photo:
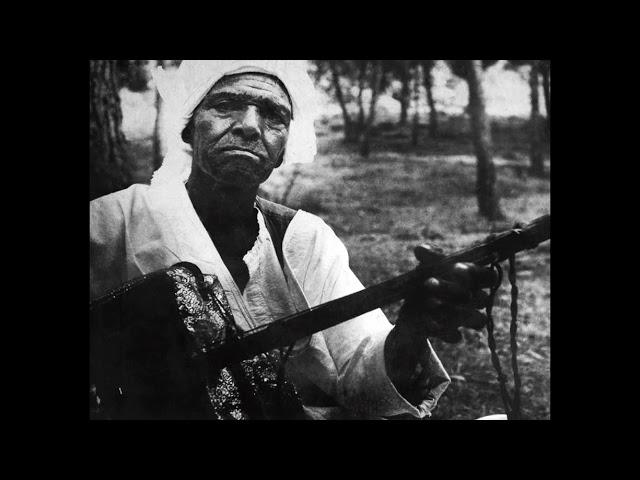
(107, 250)
(353, 368)
(439, 308)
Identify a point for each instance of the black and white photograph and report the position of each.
(319, 240)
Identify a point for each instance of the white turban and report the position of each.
(182, 92)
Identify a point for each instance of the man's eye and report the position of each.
(224, 106)
(273, 115)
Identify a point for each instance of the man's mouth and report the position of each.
(240, 149)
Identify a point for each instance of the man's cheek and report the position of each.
(203, 127)
(208, 131)
(275, 144)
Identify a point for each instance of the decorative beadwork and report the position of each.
(206, 314)
(199, 308)
(225, 398)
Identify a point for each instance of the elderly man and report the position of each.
(234, 123)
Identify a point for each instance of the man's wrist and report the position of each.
(403, 351)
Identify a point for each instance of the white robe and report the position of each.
(146, 228)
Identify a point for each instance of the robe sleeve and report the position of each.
(356, 347)
(107, 249)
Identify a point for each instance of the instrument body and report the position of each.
(141, 359)
(148, 341)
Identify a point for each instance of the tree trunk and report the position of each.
(488, 202)
(348, 126)
(546, 81)
(405, 93)
(157, 145)
(108, 165)
(536, 156)
(376, 77)
(417, 81)
(362, 76)
(428, 84)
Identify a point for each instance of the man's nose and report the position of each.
(248, 123)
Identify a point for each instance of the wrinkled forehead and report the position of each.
(258, 84)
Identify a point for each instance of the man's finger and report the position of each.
(480, 299)
(432, 303)
(454, 317)
(428, 254)
(472, 276)
(484, 277)
(448, 292)
(470, 318)
(433, 317)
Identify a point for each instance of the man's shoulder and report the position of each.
(122, 196)
(109, 212)
(117, 203)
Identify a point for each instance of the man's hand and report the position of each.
(444, 304)
(440, 307)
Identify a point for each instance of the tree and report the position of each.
(133, 74)
(365, 74)
(157, 147)
(462, 68)
(362, 74)
(417, 81)
(427, 68)
(108, 165)
(376, 83)
(545, 70)
(401, 70)
(350, 134)
(488, 202)
(347, 76)
(536, 155)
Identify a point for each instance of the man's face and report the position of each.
(240, 129)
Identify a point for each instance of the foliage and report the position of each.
(133, 74)
(460, 68)
(361, 74)
(349, 80)
(516, 64)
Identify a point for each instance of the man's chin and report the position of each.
(239, 178)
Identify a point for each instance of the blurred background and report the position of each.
(409, 151)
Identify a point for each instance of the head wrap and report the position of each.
(184, 89)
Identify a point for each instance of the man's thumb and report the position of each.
(428, 254)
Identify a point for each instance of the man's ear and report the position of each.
(187, 132)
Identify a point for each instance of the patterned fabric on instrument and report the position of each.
(146, 365)
(251, 390)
